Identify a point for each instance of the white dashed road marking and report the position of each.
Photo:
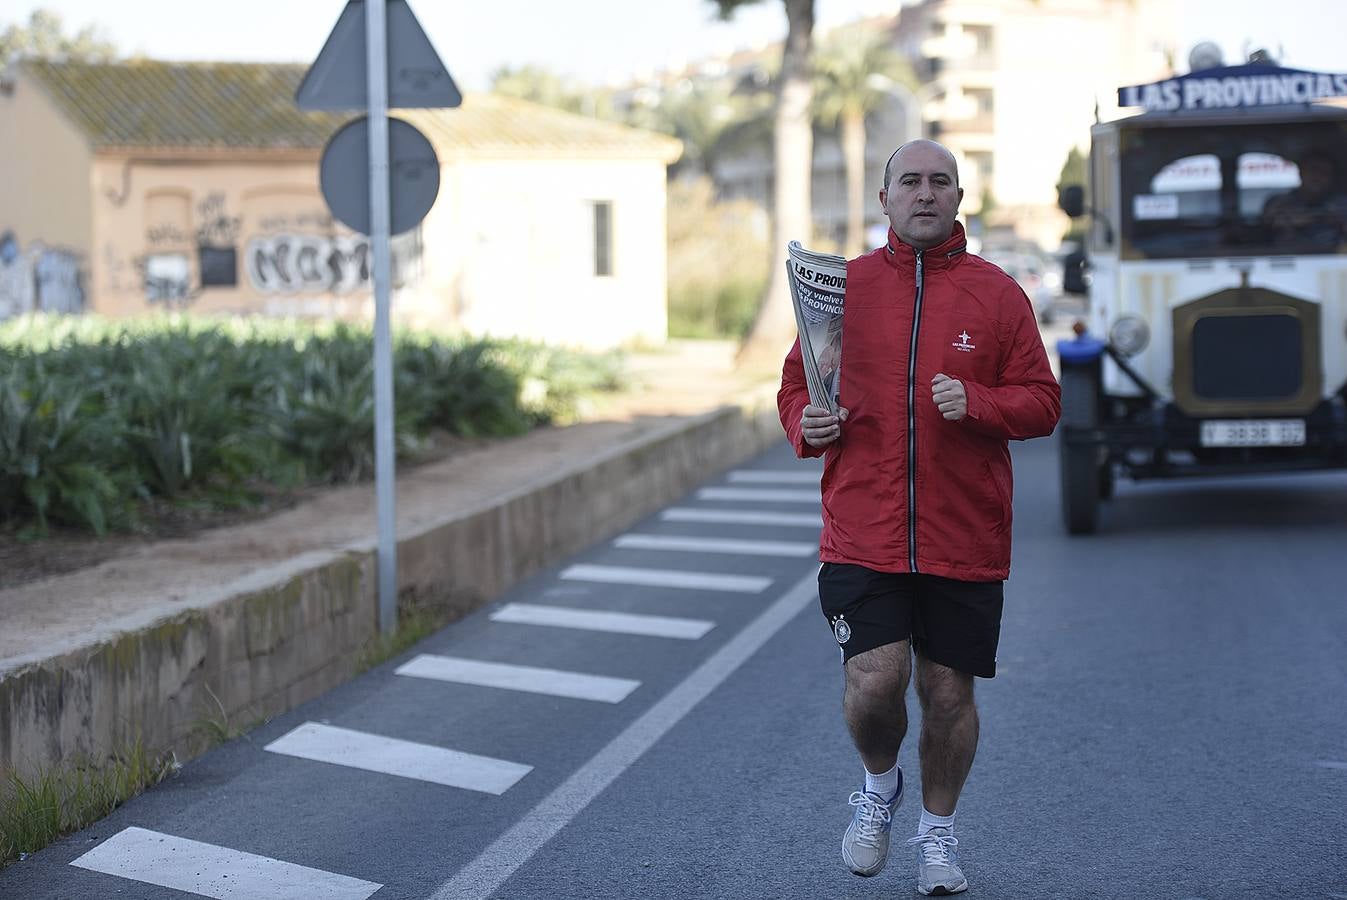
(391, 756)
(695, 581)
(768, 476)
(716, 545)
(211, 871)
(759, 495)
(616, 623)
(484, 875)
(519, 678)
(741, 517)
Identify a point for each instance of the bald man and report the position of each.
(942, 366)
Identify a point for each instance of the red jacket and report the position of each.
(904, 490)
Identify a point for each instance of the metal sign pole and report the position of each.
(376, 56)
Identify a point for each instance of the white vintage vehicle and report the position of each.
(1216, 337)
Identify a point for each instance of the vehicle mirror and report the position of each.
(1073, 273)
(1071, 200)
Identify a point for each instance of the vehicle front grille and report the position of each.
(1247, 357)
(1247, 352)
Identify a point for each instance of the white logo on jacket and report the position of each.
(962, 342)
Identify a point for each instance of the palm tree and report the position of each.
(855, 69)
(774, 327)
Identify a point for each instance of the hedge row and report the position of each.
(97, 417)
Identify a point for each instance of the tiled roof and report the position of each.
(164, 105)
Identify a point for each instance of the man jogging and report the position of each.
(942, 365)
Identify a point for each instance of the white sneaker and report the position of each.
(865, 845)
(938, 872)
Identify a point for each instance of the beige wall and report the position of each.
(45, 227)
(165, 231)
(510, 250)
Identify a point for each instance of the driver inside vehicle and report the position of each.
(1315, 211)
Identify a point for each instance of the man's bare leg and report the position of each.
(949, 734)
(875, 708)
(875, 703)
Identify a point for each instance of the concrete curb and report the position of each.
(268, 643)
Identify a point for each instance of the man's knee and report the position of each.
(881, 672)
(942, 691)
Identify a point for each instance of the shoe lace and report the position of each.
(935, 847)
(874, 815)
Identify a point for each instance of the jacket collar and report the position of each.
(938, 257)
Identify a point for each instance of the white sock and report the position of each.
(885, 785)
(930, 820)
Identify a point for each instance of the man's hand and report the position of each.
(820, 427)
(949, 396)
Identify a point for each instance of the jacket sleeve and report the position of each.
(791, 400)
(1026, 400)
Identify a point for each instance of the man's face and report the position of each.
(922, 196)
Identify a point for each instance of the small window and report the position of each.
(603, 237)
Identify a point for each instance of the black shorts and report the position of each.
(954, 623)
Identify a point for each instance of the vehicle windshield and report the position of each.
(1235, 190)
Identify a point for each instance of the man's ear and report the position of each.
(884, 200)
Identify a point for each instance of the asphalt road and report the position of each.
(1169, 721)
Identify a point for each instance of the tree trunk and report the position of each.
(792, 206)
(853, 152)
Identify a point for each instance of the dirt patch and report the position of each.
(62, 550)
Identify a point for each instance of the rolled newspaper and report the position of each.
(818, 285)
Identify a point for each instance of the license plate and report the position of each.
(1253, 433)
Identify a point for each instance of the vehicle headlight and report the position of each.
(1129, 334)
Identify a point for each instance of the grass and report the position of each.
(413, 625)
(56, 802)
(213, 728)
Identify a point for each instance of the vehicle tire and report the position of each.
(1081, 475)
(1106, 480)
(1080, 488)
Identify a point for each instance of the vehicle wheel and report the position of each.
(1082, 475)
(1106, 479)
(1080, 488)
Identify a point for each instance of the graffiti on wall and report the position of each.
(294, 263)
(305, 263)
(39, 278)
(217, 235)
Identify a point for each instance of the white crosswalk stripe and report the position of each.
(696, 581)
(741, 517)
(715, 545)
(774, 476)
(530, 679)
(759, 495)
(591, 620)
(208, 870)
(391, 756)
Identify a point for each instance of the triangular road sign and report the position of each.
(416, 76)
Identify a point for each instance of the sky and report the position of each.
(607, 40)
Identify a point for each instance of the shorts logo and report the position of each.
(841, 630)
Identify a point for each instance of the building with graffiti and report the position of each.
(143, 186)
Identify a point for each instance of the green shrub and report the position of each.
(96, 416)
(51, 439)
(718, 258)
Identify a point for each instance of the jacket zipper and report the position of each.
(912, 424)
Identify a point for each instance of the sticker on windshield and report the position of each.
(1155, 206)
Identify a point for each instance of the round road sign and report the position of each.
(413, 183)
